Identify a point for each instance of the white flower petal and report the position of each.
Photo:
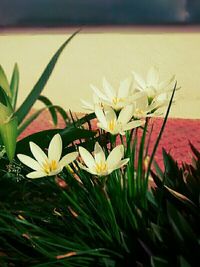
(136, 95)
(100, 115)
(115, 156)
(98, 153)
(28, 161)
(164, 85)
(124, 88)
(36, 174)
(153, 77)
(55, 148)
(133, 124)
(142, 102)
(87, 157)
(96, 99)
(87, 105)
(86, 169)
(55, 172)
(67, 159)
(110, 114)
(99, 125)
(122, 163)
(98, 93)
(125, 114)
(37, 152)
(161, 98)
(140, 81)
(110, 92)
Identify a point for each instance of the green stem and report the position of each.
(140, 169)
(160, 135)
(114, 224)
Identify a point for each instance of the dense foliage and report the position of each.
(120, 213)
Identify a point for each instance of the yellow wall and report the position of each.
(113, 54)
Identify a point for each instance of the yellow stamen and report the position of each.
(101, 167)
(139, 112)
(111, 125)
(116, 100)
(50, 166)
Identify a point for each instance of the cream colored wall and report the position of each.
(113, 54)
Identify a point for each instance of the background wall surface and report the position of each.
(112, 54)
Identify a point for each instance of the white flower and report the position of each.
(99, 165)
(115, 99)
(47, 166)
(109, 121)
(142, 108)
(91, 106)
(152, 86)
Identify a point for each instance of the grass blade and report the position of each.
(50, 107)
(14, 86)
(160, 134)
(4, 82)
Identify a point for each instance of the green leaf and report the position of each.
(87, 118)
(180, 196)
(39, 86)
(159, 262)
(157, 231)
(8, 125)
(8, 133)
(183, 262)
(43, 138)
(29, 120)
(194, 150)
(34, 116)
(181, 227)
(171, 167)
(63, 114)
(50, 107)
(4, 99)
(14, 86)
(4, 82)
(161, 132)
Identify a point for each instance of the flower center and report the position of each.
(139, 112)
(116, 100)
(151, 92)
(48, 167)
(101, 167)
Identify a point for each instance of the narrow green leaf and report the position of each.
(34, 116)
(160, 133)
(50, 107)
(180, 196)
(158, 170)
(180, 225)
(157, 231)
(5, 101)
(8, 133)
(4, 81)
(63, 114)
(43, 138)
(159, 262)
(85, 119)
(39, 86)
(29, 120)
(14, 86)
(194, 150)
(183, 262)
(8, 124)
